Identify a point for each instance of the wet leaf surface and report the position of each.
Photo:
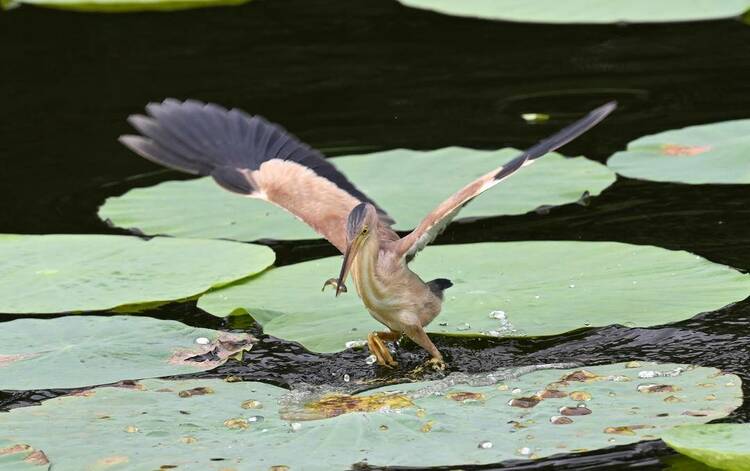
(708, 153)
(721, 446)
(79, 351)
(621, 283)
(145, 425)
(586, 11)
(62, 273)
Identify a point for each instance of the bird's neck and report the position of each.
(366, 264)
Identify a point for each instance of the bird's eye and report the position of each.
(365, 230)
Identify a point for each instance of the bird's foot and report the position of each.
(335, 283)
(379, 349)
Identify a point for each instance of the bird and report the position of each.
(250, 156)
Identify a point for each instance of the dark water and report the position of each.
(365, 75)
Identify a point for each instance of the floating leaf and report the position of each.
(587, 11)
(118, 6)
(709, 153)
(21, 457)
(540, 287)
(78, 351)
(406, 183)
(722, 446)
(62, 273)
(213, 431)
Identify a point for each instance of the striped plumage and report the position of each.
(252, 157)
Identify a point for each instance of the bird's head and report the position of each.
(360, 225)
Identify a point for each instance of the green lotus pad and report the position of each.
(212, 424)
(63, 273)
(500, 289)
(117, 6)
(587, 11)
(21, 457)
(78, 351)
(408, 184)
(709, 153)
(722, 446)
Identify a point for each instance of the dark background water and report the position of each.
(360, 75)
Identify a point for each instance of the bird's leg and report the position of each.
(380, 350)
(335, 283)
(418, 335)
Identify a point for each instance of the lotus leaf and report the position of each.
(62, 273)
(587, 11)
(722, 446)
(21, 457)
(257, 426)
(117, 6)
(709, 153)
(500, 289)
(78, 351)
(406, 183)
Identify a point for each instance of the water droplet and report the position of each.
(421, 413)
(346, 378)
(516, 390)
(537, 296)
(587, 324)
(256, 418)
(295, 426)
(202, 341)
(463, 327)
(647, 374)
(383, 428)
(525, 451)
(443, 324)
(485, 445)
(355, 343)
(500, 315)
(371, 360)
(502, 387)
(132, 429)
(571, 286)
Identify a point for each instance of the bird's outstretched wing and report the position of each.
(435, 222)
(250, 156)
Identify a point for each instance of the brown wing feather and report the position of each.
(435, 222)
(248, 155)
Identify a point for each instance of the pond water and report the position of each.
(358, 76)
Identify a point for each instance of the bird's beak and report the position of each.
(349, 255)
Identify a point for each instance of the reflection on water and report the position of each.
(359, 76)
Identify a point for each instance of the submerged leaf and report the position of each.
(529, 281)
(708, 153)
(722, 446)
(78, 351)
(63, 273)
(406, 183)
(190, 433)
(587, 11)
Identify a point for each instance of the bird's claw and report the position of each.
(382, 355)
(335, 283)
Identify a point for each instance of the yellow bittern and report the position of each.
(250, 156)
